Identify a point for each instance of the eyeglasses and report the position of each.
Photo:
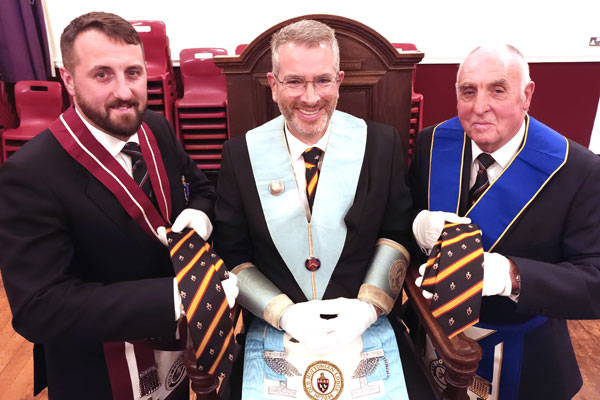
(296, 85)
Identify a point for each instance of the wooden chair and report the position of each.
(416, 107)
(377, 86)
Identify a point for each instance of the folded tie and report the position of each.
(199, 272)
(454, 274)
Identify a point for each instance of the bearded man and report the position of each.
(85, 272)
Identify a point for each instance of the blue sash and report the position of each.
(511, 337)
(542, 154)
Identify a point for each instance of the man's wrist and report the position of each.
(515, 278)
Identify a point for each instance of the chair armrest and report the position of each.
(460, 354)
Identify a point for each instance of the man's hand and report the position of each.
(353, 318)
(428, 226)
(419, 281)
(496, 275)
(195, 219)
(162, 235)
(231, 289)
(303, 322)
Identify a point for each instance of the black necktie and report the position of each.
(454, 275)
(199, 272)
(311, 162)
(139, 170)
(484, 161)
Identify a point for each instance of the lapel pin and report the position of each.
(276, 188)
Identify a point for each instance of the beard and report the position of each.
(308, 131)
(122, 126)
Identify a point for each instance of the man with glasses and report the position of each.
(313, 216)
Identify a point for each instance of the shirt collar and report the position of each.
(505, 153)
(112, 144)
(297, 147)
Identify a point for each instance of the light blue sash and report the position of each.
(338, 180)
(543, 153)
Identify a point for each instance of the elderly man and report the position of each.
(314, 213)
(535, 196)
(85, 272)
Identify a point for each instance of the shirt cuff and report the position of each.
(179, 311)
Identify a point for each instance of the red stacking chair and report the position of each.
(201, 114)
(416, 106)
(159, 68)
(38, 104)
(8, 120)
(240, 48)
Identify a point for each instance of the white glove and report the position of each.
(303, 322)
(496, 275)
(419, 281)
(231, 289)
(162, 235)
(354, 317)
(195, 219)
(428, 226)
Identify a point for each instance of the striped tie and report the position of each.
(199, 272)
(484, 161)
(311, 162)
(454, 274)
(139, 170)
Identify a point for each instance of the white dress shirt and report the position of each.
(295, 148)
(502, 157)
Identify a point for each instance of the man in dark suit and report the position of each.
(535, 195)
(85, 272)
(313, 236)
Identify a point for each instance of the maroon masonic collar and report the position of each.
(78, 141)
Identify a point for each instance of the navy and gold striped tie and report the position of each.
(139, 170)
(484, 161)
(311, 163)
(199, 272)
(454, 274)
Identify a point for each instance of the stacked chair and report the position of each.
(159, 68)
(201, 114)
(38, 104)
(240, 48)
(7, 117)
(416, 104)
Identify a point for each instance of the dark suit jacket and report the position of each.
(555, 244)
(77, 269)
(382, 208)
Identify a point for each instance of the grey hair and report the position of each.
(306, 32)
(512, 52)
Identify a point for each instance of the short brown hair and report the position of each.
(306, 32)
(111, 25)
